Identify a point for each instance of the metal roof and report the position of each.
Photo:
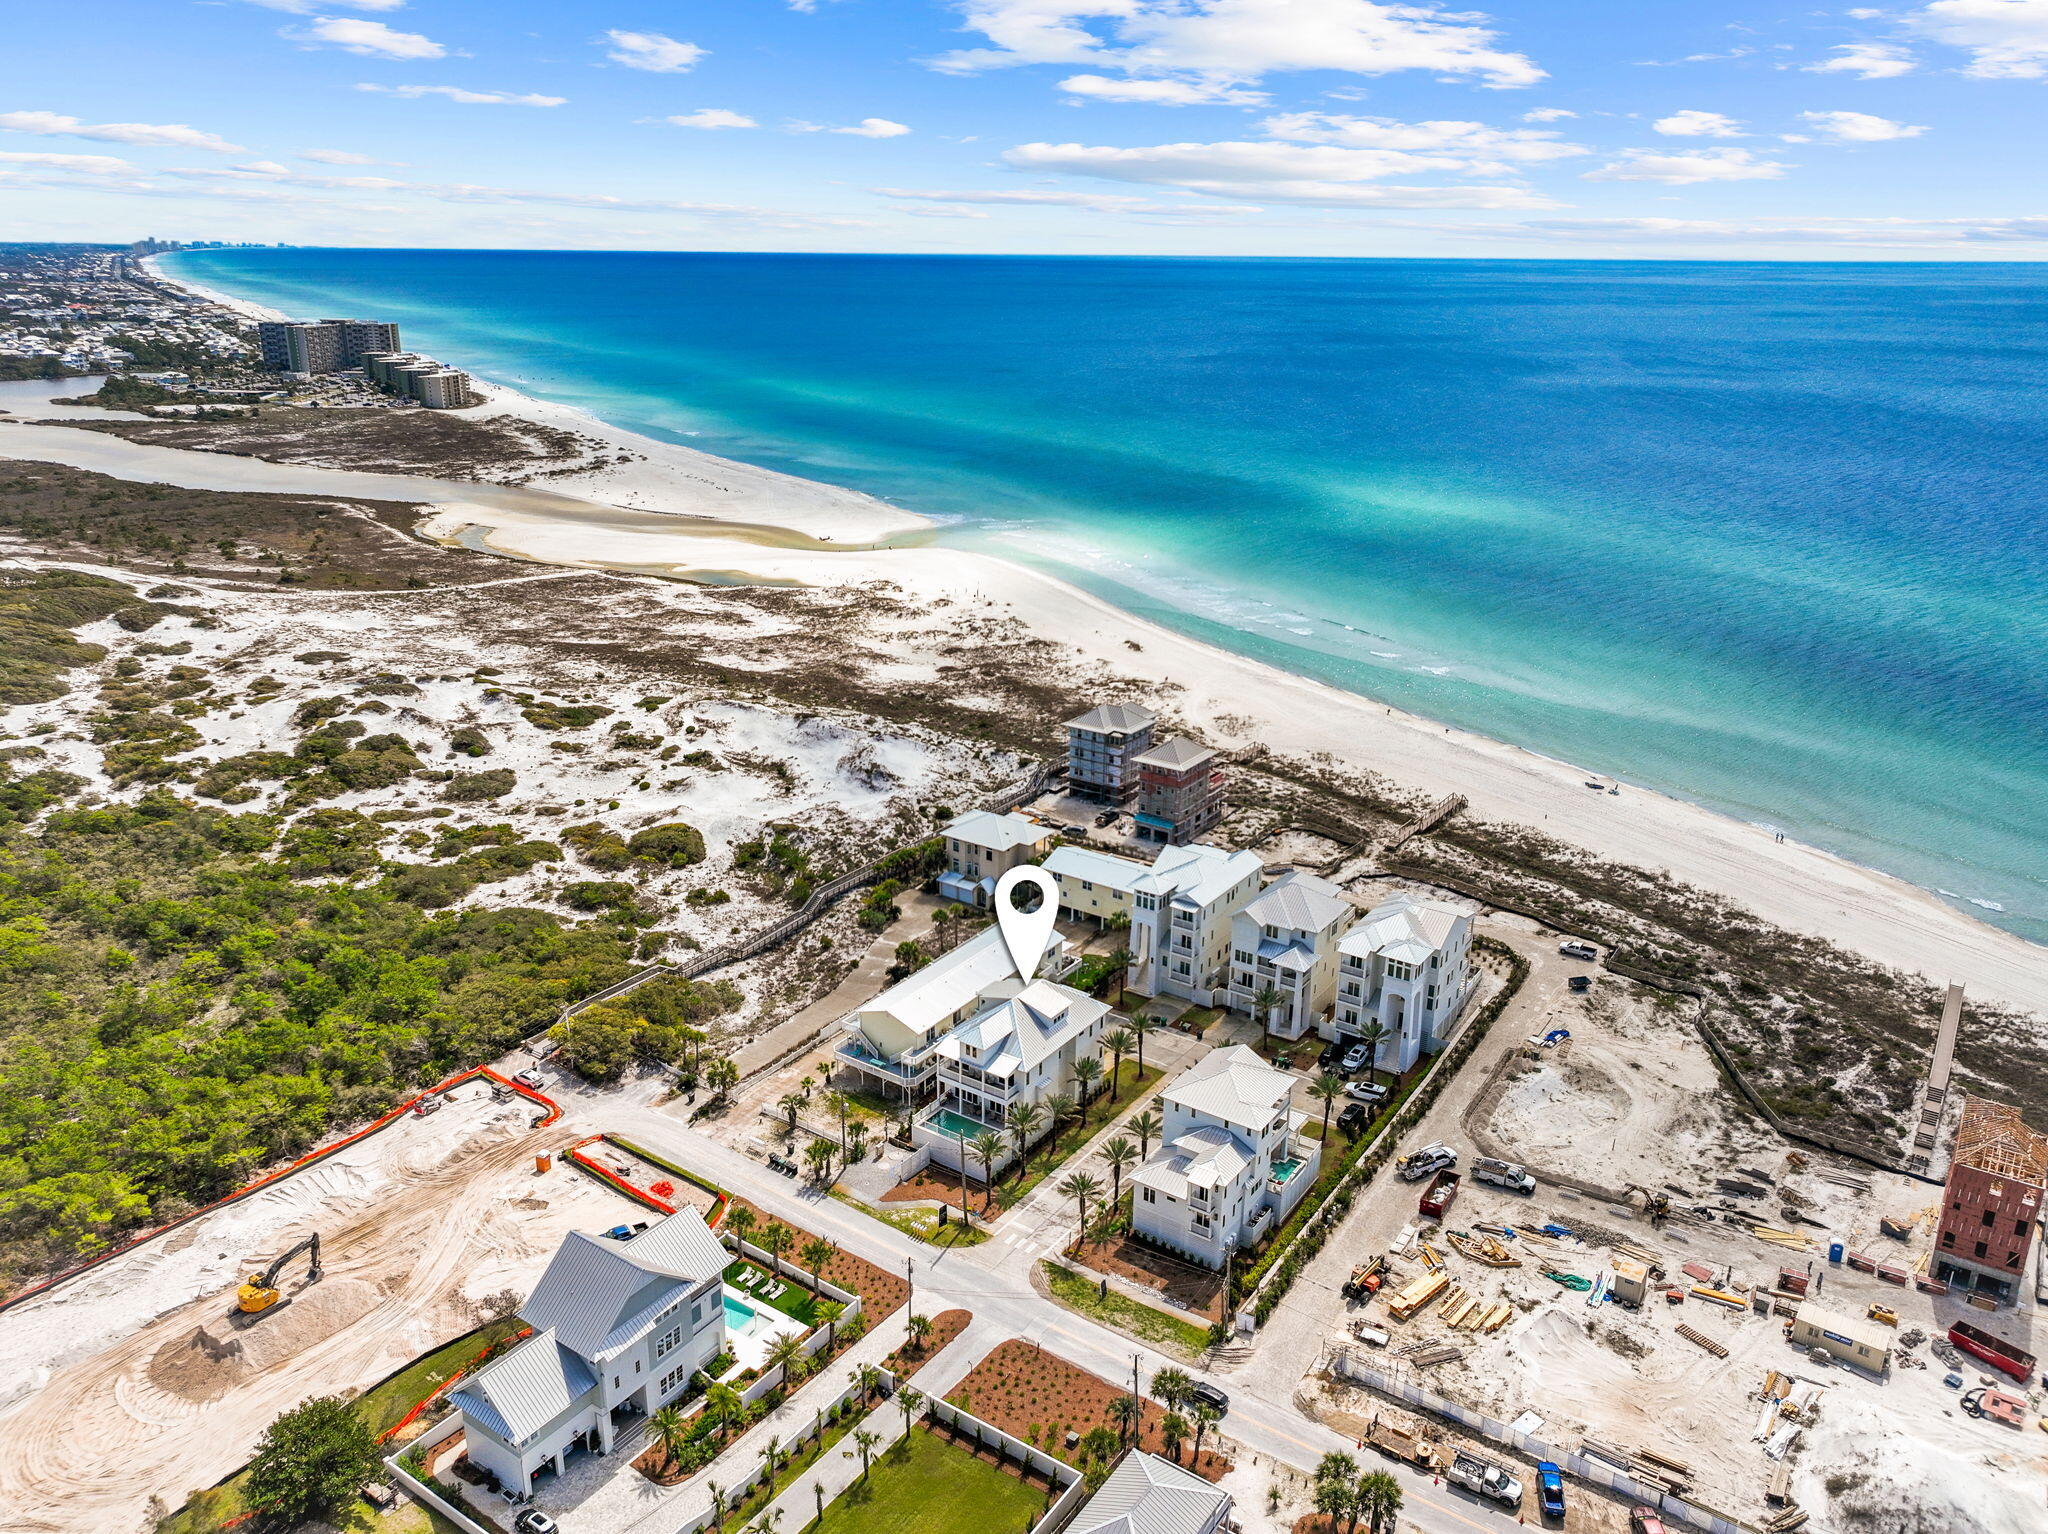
(1206, 1157)
(598, 1295)
(1405, 919)
(1115, 719)
(1000, 833)
(1149, 1495)
(1013, 1036)
(1300, 901)
(1232, 1085)
(1176, 755)
(522, 1391)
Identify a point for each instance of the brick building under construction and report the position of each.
(1991, 1202)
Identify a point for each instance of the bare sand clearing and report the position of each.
(431, 1216)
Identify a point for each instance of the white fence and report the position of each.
(423, 1493)
(1595, 1472)
(1073, 1488)
(823, 1289)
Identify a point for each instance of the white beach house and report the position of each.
(1230, 1159)
(1287, 939)
(1012, 1052)
(891, 1041)
(1146, 1494)
(618, 1329)
(1179, 907)
(981, 848)
(1407, 967)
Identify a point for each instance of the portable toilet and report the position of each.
(1835, 1253)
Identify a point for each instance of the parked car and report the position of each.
(1550, 1489)
(1432, 1158)
(426, 1105)
(533, 1521)
(1504, 1174)
(531, 1078)
(1352, 1120)
(1578, 950)
(1354, 1059)
(1330, 1052)
(1209, 1395)
(1366, 1092)
(1643, 1520)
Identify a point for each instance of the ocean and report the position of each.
(1769, 537)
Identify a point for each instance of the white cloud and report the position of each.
(867, 127)
(1866, 61)
(1100, 202)
(943, 212)
(466, 97)
(1163, 93)
(1853, 233)
(1693, 124)
(1487, 150)
(1547, 115)
(653, 52)
(89, 164)
(1688, 168)
(343, 157)
(1221, 42)
(712, 117)
(1308, 174)
(175, 135)
(371, 38)
(1858, 127)
(308, 7)
(2006, 39)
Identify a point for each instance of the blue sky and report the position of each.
(1281, 127)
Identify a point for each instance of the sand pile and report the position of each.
(212, 1359)
(1860, 1475)
(201, 1366)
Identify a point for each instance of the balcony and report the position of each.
(907, 1071)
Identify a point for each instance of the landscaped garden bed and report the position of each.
(1084, 1295)
(926, 1485)
(1038, 1397)
(917, 1352)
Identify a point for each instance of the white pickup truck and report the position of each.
(1503, 1174)
(1484, 1477)
(1431, 1159)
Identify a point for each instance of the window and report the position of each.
(1201, 1222)
(1988, 1218)
(1086, 885)
(670, 1380)
(1241, 956)
(667, 1340)
(1149, 1196)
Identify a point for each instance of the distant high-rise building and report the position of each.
(323, 346)
(1100, 746)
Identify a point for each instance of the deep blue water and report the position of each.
(1773, 537)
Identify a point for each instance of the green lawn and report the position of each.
(1148, 1324)
(920, 1223)
(924, 1485)
(793, 1300)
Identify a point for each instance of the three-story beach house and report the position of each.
(1231, 1162)
(981, 848)
(1283, 954)
(1011, 1053)
(1406, 967)
(618, 1329)
(1179, 908)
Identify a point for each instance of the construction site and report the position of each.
(154, 1373)
(1607, 1259)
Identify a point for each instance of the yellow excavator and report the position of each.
(261, 1292)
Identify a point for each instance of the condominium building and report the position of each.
(1100, 747)
(981, 848)
(1229, 1164)
(1180, 790)
(1011, 1053)
(1179, 908)
(1407, 968)
(1283, 954)
(618, 1329)
(420, 378)
(444, 389)
(891, 1041)
(322, 346)
(1991, 1200)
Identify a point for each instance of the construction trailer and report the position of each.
(1852, 1339)
(1630, 1281)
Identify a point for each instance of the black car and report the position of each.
(1209, 1395)
(1353, 1118)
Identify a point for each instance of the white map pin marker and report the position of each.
(1027, 934)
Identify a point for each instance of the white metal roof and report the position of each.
(1094, 867)
(1015, 1035)
(1299, 900)
(1175, 755)
(1000, 833)
(598, 1295)
(520, 1392)
(1207, 1157)
(1114, 719)
(927, 1001)
(1234, 1085)
(1149, 1495)
(1405, 919)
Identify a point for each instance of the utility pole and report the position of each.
(1138, 1401)
(910, 1282)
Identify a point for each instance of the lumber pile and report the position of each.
(1483, 1248)
(1791, 1238)
(1784, 1523)
(1703, 1340)
(1436, 1353)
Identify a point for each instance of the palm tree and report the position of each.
(920, 1331)
(842, 1107)
(1326, 1089)
(1266, 999)
(1174, 1388)
(771, 1455)
(1141, 1025)
(1334, 1499)
(717, 1503)
(1119, 1042)
(721, 1075)
(942, 927)
(1379, 1498)
(1087, 1071)
(1120, 966)
(988, 1145)
(1080, 1187)
(722, 1404)
(1120, 1154)
(909, 1398)
(1058, 1106)
(828, 1313)
(1173, 1432)
(741, 1220)
(867, 1379)
(790, 1103)
(857, 1141)
(816, 1253)
(1206, 1417)
(671, 1431)
(1337, 1466)
(1125, 1414)
(1146, 1127)
(819, 1156)
(776, 1240)
(765, 1524)
(1372, 1035)
(1024, 1121)
(864, 1445)
(787, 1349)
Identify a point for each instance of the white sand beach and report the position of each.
(1797, 886)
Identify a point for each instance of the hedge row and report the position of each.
(1285, 1259)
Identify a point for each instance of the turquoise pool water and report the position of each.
(1283, 1170)
(947, 1122)
(737, 1312)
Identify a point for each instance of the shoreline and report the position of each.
(1790, 883)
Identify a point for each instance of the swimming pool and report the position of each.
(954, 1125)
(751, 1331)
(737, 1312)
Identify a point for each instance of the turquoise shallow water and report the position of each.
(1770, 537)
